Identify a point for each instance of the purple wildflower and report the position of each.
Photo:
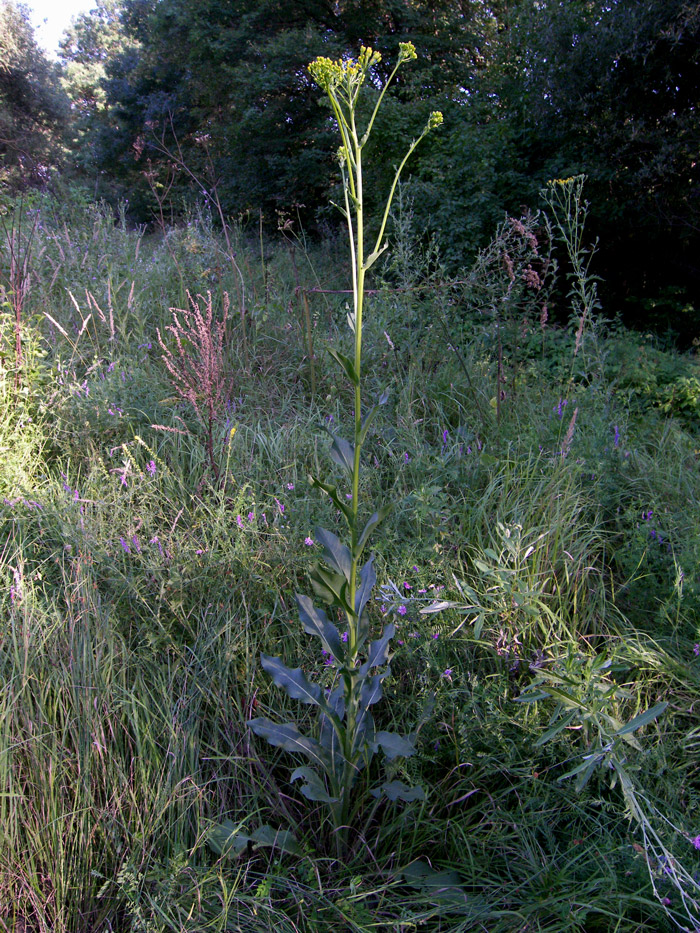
(251, 516)
(239, 521)
(344, 636)
(125, 545)
(696, 842)
(402, 610)
(407, 586)
(445, 435)
(308, 541)
(151, 467)
(617, 437)
(290, 486)
(406, 458)
(696, 650)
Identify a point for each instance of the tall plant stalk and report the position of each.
(345, 739)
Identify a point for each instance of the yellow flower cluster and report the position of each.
(328, 74)
(435, 120)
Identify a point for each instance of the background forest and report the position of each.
(164, 102)
(180, 413)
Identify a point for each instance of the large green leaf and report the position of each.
(394, 745)
(442, 887)
(227, 839)
(397, 790)
(315, 622)
(313, 787)
(293, 681)
(287, 736)
(337, 555)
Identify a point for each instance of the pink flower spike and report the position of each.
(696, 842)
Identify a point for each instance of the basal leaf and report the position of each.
(337, 555)
(293, 681)
(394, 745)
(397, 790)
(315, 622)
(442, 887)
(227, 839)
(313, 787)
(287, 736)
(347, 365)
(280, 839)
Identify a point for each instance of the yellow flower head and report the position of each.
(435, 120)
(407, 52)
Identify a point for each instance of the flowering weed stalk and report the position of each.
(197, 369)
(345, 739)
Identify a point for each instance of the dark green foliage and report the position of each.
(33, 106)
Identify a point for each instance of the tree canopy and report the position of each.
(33, 107)
(215, 96)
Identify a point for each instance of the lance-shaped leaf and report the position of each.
(394, 745)
(330, 587)
(287, 736)
(315, 622)
(379, 649)
(371, 415)
(337, 555)
(372, 523)
(343, 453)
(347, 365)
(293, 681)
(332, 492)
(370, 694)
(642, 719)
(373, 257)
(313, 787)
(368, 578)
(397, 790)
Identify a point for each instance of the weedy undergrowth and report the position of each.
(345, 739)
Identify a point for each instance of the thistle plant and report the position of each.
(345, 739)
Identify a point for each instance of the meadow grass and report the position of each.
(139, 591)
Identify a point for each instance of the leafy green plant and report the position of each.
(346, 739)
